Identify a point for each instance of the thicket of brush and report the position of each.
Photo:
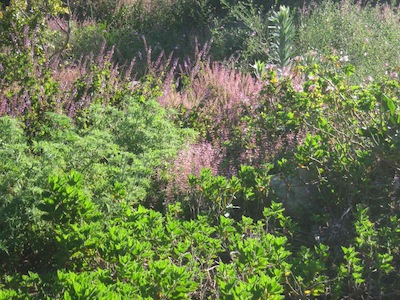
(199, 149)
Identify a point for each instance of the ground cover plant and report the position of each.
(189, 153)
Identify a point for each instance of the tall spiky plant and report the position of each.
(282, 32)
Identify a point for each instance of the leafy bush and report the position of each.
(155, 256)
(367, 265)
(116, 154)
(334, 147)
(299, 197)
(69, 214)
(244, 194)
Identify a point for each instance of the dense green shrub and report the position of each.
(116, 153)
(143, 253)
(244, 194)
(300, 198)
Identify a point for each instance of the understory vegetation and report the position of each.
(199, 149)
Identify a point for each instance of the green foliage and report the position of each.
(259, 69)
(168, 26)
(341, 144)
(68, 205)
(244, 30)
(116, 153)
(24, 18)
(367, 35)
(313, 212)
(144, 254)
(69, 213)
(310, 272)
(352, 142)
(244, 194)
(256, 33)
(367, 264)
(34, 83)
(342, 131)
(19, 176)
(87, 40)
(259, 259)
(350, 131)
